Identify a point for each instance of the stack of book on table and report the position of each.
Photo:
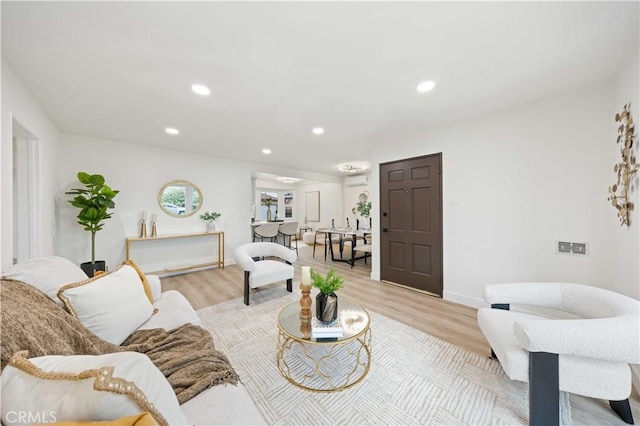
(326, 330)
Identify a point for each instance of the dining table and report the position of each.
(345, 234)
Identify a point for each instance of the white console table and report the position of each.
(218, 237)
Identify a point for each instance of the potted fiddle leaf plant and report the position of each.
(210, 219)
(363, 208)
(94, 200)
(327, 300)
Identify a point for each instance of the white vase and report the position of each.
(212, 226)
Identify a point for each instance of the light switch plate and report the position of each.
(564, 247)
(579, 248)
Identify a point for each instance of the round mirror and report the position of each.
(180, 198)
(364, 196)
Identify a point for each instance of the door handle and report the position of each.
(384, 229)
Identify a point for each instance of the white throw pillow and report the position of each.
(47, 274)
(48, 389)
(111, 305)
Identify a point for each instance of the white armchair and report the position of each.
(588, 354)
(262, 272)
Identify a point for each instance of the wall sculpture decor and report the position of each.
(626, 168)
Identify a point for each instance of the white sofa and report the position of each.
(217, 405)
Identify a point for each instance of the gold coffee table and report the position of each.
(325, 365)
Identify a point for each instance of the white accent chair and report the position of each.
(262, 272)
(588, 354)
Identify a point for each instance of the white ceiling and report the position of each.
(123, 70)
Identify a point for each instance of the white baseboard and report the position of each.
(463, 299)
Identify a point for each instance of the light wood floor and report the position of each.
(446, 320)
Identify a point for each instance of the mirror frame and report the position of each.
(179, 182)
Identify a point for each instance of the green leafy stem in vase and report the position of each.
(363, 208)
(329, 284)
(210, 216)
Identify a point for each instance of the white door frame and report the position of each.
(29, 157)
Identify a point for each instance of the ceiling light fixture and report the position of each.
(172, 131)
(353, 168)
(266, 151)
(318, 130)
(200, 89)
(286, 179)
(426, 86)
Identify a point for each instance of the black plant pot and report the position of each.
(91, 268)
(326, 307)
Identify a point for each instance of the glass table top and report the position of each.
(355, 320)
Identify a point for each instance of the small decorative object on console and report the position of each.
(143, 225)
(210, 219)
(154, 228)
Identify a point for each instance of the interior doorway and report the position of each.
(411, 223)
(26, 193)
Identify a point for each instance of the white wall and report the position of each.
(139, 172)
(514, 182)
(350, 198)
(330, 202)
(18, 104)
(626, 240)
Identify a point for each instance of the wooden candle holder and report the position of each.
(305, 311)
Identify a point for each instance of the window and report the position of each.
(268, 205)
(275, 205)
(288, 205)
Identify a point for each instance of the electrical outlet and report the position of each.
(579, 248)
(564, 247)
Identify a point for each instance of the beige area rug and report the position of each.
(414, 378)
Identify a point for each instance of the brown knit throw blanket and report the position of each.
(186, 356)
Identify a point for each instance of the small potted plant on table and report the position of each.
(210, 220)
(327, 300)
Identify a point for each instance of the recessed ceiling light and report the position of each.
(318, 130)
(200, 89)
(266, 151)
(172, 131)
(425, 86)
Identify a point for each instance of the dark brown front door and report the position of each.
(411, 222)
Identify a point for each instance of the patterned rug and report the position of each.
(415, 378)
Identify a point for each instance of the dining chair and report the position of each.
(267, 230)
(321, 237)
(289, 230)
